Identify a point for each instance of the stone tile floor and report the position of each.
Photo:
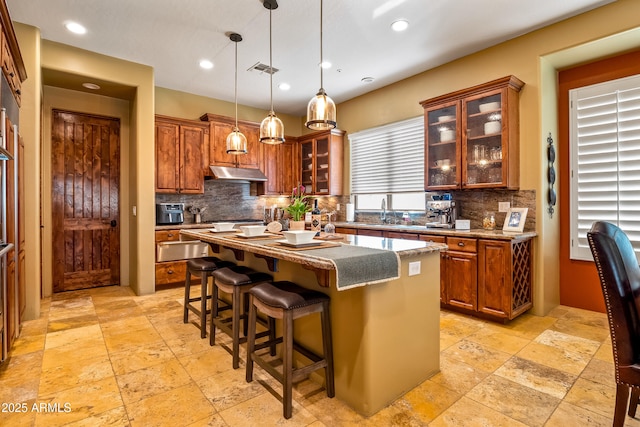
(106, 357)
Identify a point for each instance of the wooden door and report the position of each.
(461, 271)
(191, 172)
(494, 273)
(85, 201)
(167, 140)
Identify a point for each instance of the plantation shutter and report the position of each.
(605, 160)
(389, 158)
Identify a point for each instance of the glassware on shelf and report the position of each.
(329, 228)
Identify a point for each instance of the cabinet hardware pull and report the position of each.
(460, 244)
(169, 271)
(170, 234)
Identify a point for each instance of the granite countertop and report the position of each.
(421, 229)
(402, 247)
(201, 225)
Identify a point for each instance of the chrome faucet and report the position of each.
(383, 214)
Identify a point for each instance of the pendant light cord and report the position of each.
(270, 62)
(235, 95)
(321, 60)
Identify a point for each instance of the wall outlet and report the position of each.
(338, 207)
(504, 206)
(135, 210)
(414, 268)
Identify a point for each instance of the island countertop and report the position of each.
(403, 247)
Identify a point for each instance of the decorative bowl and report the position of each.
(297, 237)
(446, 118)
(253, 230)
(489, 106)
(447, 135)
(492, 127)
(224, 226)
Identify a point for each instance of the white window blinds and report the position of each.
(605, 160)
(389, 158)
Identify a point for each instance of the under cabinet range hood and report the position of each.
(238, 174)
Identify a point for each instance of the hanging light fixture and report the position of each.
(236, 141)
(271, 128)
(321, 111)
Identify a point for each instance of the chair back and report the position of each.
(619, 273)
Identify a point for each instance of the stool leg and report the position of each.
(245, 310)
(214, 313)
(327, 346)
(287, 363)
(251, 338)
(272, 335)
(235, 325)
(204, 279)
(187, 291)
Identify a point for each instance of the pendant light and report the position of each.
(236, 141)
(271, 128)
(321, 111)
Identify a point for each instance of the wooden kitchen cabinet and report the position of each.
(216, 149)
(471, 137)
(401, 235)
(369, 232)
(179, 155)
(279, 164)
(321, 162)
(459, 274)
(171, 272)
(504, 278)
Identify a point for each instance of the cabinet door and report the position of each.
(167, 141)
(400, 235)
(288, 167)
(442, 146)
(271, 167)
(218, 145)
(368, 232)
(191, 172)
(494, 278)
(483, 145)
(250, 160)
(343, 230)
(307, 165)
(322, 158)
(461, 270)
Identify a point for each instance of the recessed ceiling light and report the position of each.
(91, 86)
(367, 79)
(400, 25)
(75, 28)
(325, 64)
(284, 86)
(206, 64)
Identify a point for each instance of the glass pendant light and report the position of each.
(321, 111)
(271, 128)
(236, 141)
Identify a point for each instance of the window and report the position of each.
(386, 160)
(605, 160)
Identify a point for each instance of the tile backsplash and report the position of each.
(233, 200)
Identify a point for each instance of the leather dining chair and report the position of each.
(619, 274)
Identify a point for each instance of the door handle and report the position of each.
(114, 223)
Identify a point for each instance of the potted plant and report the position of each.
(298, 207)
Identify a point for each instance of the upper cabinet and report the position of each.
(216, 149)
(10, 57)
(179, 155)
(471, 137)
(321, 162)
(279, 164)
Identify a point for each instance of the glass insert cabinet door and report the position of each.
(442, 168)
(483, 148)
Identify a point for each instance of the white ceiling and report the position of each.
(172, 36)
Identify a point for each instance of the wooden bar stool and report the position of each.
(237, 281)
(288, 301)
(200, 267)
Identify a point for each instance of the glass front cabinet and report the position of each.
(471, 137)
(321, 162)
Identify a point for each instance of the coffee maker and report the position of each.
(443, 212)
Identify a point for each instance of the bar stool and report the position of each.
(288, 301)
(200, 267)
(237, 281)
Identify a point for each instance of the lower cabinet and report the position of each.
(171, 272)
(458, 274)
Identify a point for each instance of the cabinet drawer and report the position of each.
(401, 235)
(171, 272)
(342, 230)
(462, 244)
(167, 235)
(433, 239)
(368, 232)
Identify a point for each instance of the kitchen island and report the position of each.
(385, 334)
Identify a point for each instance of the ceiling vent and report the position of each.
(263, 68)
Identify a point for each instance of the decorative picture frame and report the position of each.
(515, 219)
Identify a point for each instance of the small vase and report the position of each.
(296, 225)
